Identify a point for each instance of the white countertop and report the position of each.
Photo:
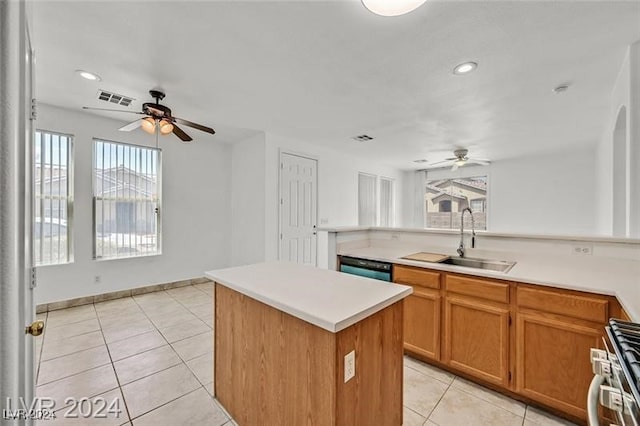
(327, 299)
(615, 277)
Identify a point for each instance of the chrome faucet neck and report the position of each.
(461, 248)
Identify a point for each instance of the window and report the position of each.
(53, 198)
(367, 200)
(445, 199)
(126, 200)
(386, 202)
(375, 200)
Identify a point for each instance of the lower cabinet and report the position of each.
(476, 339)
(422, 322)
(554, 331)
(465, 323)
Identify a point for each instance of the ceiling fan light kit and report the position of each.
(148, 125)
(460, 159)
(165, 127)
(158, 117)
(392, 7)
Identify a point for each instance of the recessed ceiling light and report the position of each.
(392, 7)
(88, 75)
(560, 89)
(465, 68)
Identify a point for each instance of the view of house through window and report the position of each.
(126, 194)
(445, 199)
(53, 198)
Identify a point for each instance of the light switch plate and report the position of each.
(349, 366)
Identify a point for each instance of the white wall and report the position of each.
(337, 186)
(248, 200)
(546, 194)
(196, 214)
(626, 93)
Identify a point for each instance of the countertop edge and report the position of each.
(312, 319)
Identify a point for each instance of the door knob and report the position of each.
(35, 329)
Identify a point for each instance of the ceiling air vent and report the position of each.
(363, 138)
(103, 95)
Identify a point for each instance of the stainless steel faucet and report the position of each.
(473, 232)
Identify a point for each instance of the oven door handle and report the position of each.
(593, 399)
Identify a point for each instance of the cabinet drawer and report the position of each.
(478, 287)
(567, 304)
(416, 276)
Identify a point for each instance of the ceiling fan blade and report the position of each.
(181, 134)
(480, 162)
(441, 162)
(194, 125)
(131, 126)
(454, 167)
(114, 110)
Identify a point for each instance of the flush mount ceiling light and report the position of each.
(465, 68)
(392, 7)
(88, 75)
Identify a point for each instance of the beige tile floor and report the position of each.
(153, 355)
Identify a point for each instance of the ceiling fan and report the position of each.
(158, 116)
(461, 159)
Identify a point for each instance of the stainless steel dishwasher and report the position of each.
(366, 268)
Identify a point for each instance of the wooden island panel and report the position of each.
(272, 368)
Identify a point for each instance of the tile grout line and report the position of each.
(168, 402)
(440, 399)
(489, 402)
(113, 367)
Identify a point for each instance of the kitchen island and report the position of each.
(284, 338)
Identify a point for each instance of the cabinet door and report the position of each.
(552, 360)
(476, 339)
(422, 323)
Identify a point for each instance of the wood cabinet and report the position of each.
(422, 310)
(422, 322)
(554, 331)
(476, 328)
(527, 340)
(272, 368)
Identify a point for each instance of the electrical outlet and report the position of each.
(583, 249)
(324, 221)
(395, 236)
(349, 366)
(97, 279)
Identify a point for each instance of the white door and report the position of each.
(16, 133)
(298, 208)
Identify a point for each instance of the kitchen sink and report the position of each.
(490, 264)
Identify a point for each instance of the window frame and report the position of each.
(69, 198)
(94, 199)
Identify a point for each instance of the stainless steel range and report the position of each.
(616, 381)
